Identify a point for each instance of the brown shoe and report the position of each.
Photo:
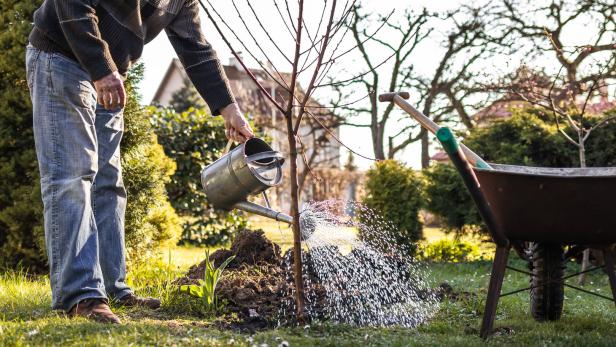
(95, 309)
(132, 300)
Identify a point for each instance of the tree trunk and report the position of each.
(297, 241)
(376, 128)
(582, 148)
(586, 257)
(425, 149)
(377, 142)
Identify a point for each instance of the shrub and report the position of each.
(21, 207)
(600, 149)
(526, 138)
(194, 139)
(394, 192)
(451, 251)
(150, 220)
(447, 197)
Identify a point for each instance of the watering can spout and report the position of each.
(263, 211)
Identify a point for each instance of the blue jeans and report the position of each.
(78, 149)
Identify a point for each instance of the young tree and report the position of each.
(316, 46)
(315, 144)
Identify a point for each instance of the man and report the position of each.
(79, 52)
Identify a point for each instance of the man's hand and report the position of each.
(110, 91)
(237, 127)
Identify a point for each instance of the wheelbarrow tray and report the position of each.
(552, 205)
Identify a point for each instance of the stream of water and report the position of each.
(356, 273)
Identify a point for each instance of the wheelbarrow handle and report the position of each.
(427, 123)
(459, 160)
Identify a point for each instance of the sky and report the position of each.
(158, 54)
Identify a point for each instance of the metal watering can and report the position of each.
(249, 169)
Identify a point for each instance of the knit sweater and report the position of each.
(105, 36)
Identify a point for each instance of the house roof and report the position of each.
(173, 66)
(440, 157)
(531, 85)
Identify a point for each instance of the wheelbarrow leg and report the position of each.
(494, 290)
(608, 257)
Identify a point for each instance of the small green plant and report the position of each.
(206, 290)
(450, 251)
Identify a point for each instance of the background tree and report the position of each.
(315, 43)
(410, 31)
(448, 93)
(543, 30)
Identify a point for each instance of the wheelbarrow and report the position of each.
(547, 215)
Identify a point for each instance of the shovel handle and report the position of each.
(428, 124)
(389, 97)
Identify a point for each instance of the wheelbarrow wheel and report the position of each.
(548, 290)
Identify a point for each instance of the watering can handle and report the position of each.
(278, 162)
(227, 147)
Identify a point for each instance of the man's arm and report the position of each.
(205, 71)
(79, 24)
(80, 27)
(199, 58)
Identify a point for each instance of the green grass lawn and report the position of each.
(26, 319)
(281, 233)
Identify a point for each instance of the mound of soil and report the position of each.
(252, 247)
(249, 247)
(256, 284)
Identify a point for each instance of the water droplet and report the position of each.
(355, 272)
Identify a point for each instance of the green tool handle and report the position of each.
(453, 149)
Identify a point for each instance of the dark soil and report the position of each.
(256, 285)
(446, 291)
